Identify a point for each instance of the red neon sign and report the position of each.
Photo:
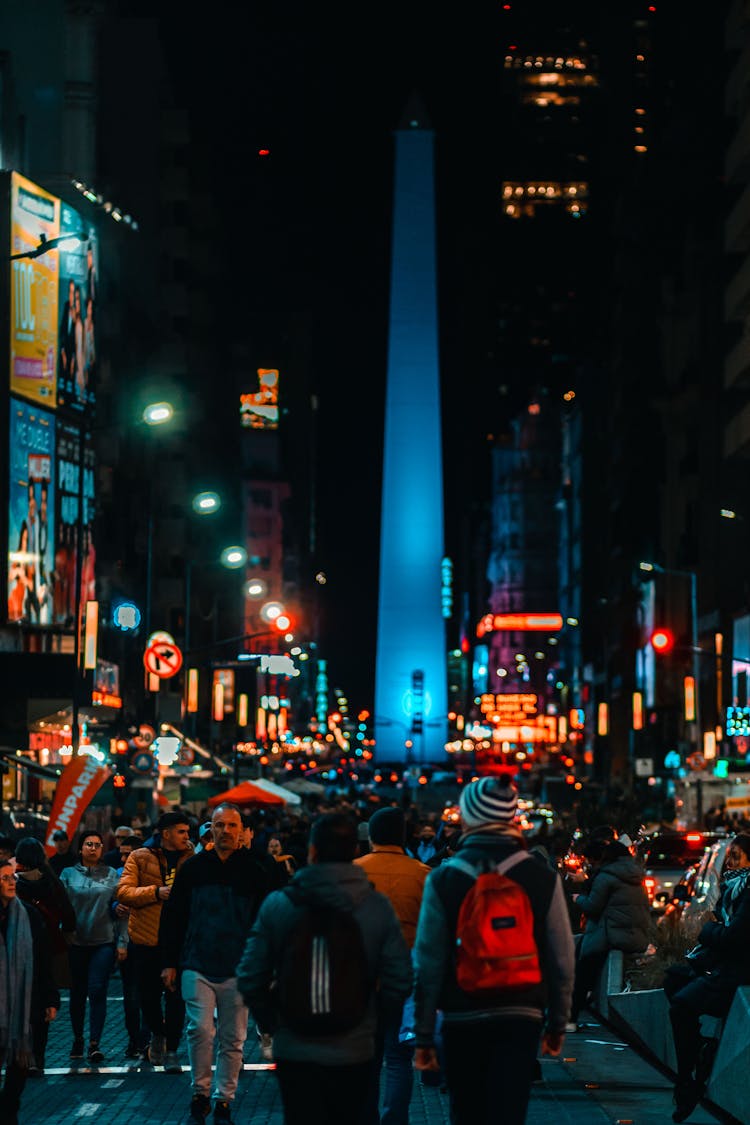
(520, 622)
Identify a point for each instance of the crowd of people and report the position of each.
(363, 951)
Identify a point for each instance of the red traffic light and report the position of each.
(662, 640)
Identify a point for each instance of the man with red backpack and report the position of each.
(493, 953)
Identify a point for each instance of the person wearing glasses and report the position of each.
(27, 991)
(100, 937)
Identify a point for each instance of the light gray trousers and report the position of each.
(202, 999)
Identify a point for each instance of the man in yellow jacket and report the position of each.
(401, 879)
(144, 887)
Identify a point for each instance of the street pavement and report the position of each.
(598, 1080)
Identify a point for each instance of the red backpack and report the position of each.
(495, 945)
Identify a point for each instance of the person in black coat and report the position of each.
(38, 886)
(27, 991)
(705, 984)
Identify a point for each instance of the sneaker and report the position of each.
(35, 1072)
(94, 1054)
(571, 1028)
(200, 1107)
(266, 1047)
(223, 1113)
(157, 1047)
(687, 1094)
(76, 1051)
(172, 1064)
(133, 1051)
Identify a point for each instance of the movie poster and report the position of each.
(31, 515)
(33, 292)
(78, 306)
(67, 463)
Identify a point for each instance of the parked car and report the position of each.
(666, 857)
(702, 890)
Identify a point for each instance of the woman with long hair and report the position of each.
(99, 938)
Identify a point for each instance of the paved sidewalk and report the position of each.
(598, 1081)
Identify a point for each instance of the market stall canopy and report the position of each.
(279, 790)
(245, 794)
(302, 785)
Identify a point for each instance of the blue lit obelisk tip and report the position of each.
(411, 674)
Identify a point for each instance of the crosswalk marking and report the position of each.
(58, 1071)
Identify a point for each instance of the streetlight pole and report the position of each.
(154, 415)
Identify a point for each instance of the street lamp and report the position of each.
(233, 557)
(650, 567)
(61, 242)
(155, 414)
(206, 503)
(256, 588)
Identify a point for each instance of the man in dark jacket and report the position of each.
(27, 991)
(203, 928)
(325, 1078)
(63, 856)
(491, 1037)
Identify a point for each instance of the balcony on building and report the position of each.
(737, 365)
(737, 434)
(737, 226)
(737, 162)
(737, 294)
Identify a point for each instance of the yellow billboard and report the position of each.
(33, 292)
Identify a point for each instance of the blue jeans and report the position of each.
(90, 970)
(397, 1057)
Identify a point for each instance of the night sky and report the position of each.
(323, 88)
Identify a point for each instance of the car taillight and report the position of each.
(694, 837)
(649, 884)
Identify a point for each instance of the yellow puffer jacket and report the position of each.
(144, 872)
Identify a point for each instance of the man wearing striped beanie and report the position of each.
(494, 954)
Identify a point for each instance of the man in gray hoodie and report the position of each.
(325, 1077)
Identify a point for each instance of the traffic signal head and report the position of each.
(662, 641)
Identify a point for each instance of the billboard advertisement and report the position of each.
(259, 410)
(67, 461)
(33, 292)
(78, 295)
(31, 514)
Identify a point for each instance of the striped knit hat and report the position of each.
(491, 800)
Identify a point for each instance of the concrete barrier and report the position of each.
(642, 1018)
(611, 980)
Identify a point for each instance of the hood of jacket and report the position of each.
(624, 868)
(340, 885)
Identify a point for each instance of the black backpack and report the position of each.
(324, 984)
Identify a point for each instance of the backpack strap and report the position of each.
(500, 868)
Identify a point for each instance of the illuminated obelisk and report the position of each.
(411, 691)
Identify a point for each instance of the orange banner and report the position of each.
(81, 779)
